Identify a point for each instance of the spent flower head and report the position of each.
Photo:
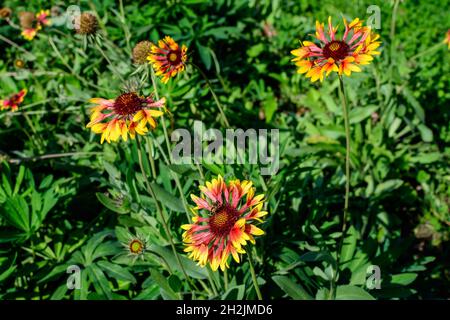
(5, 13)
(86, 24)
(141, 51)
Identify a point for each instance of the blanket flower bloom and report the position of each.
(232, 210)
(135, 246)
(42, 18)
(332, 54)
(128, 114)
(31, 23)
(168, 59)
(14, 101)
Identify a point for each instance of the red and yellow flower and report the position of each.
(128, 114)
(356, 47)
(14, 101)
(168, 59)
(232, 210)
(32, 24)
(42, 18)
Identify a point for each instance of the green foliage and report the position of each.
(67, 200)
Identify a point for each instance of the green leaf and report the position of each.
(111, 204)
(425, 133)
(116, 271)
(349, 292)
(388, 186)
(99, 280)
(292, 289)
(205, 55)
(234, 293)
(270, 106)
(349, 245)
(175, 283)
(403, 279)
(255, 50)
(167, 199)
(15, 210)
(164, 285)
(192, 269)
(59, 293)
(359, 114)
(19, 179)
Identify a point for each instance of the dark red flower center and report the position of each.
(174, 57)
(223, 220)
(338, 50)
(127, 104)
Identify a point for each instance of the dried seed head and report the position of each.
(88, 24)
(5, 13)
(141, 51)
(26, 19)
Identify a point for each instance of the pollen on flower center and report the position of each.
(127, 104)
(136, 246)
(223, 220)
(338, 50)
(174, 57)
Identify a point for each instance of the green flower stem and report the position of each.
(152, 161)
(126, 30)
(211, 280)
(225, 279)
(12, 43)
(347, 151)
(208, 83)
(102, 52)
(169, 158)
(166, 136)
(428, 51)
(72, 71)
(158, 208)
(252, 271)
(347, 184)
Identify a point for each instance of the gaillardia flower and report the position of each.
(135, 246)
(341, 55)
(232, 209)
(127, 114)
(168, 58)
(42, 17)
(14, 101)
(31, 23)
